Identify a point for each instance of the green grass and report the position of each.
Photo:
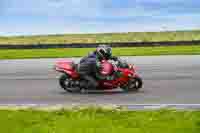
(78, 52)
(100, 121)
(102, 38)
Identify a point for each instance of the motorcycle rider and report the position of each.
(90, 65)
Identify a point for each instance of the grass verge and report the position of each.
(99, 121)
(103, 38)
(78, 52)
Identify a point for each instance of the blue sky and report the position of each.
(27, 17)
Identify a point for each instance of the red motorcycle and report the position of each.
(124, 77)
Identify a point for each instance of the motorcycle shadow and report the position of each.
(101, 92)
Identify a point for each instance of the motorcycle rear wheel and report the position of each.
(64, 82)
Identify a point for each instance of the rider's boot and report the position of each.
(90, 83)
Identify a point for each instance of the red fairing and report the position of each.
(66, 66)
(108, 68)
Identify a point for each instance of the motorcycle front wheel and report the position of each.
(134, 84)
(65, 82)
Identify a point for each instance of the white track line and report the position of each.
(112, 106)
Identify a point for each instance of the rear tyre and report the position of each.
(134, 84)
(65, 82)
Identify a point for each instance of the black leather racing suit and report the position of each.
(87, 69)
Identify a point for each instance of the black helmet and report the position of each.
(104, 51)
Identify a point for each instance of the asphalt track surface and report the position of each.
(167, 80)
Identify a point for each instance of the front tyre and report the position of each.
(65, 82)
(134, 84)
